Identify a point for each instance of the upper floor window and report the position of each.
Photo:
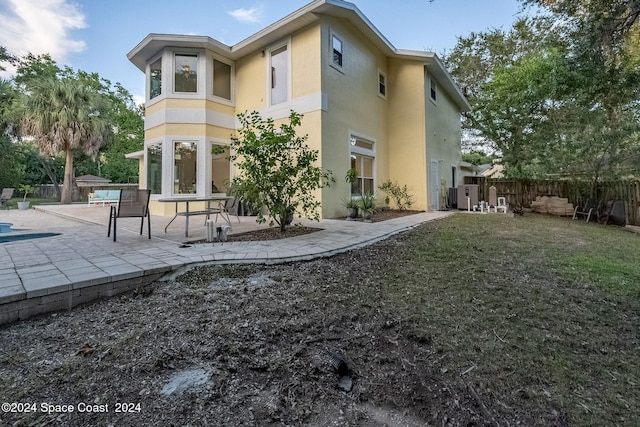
(382, 84)
(186, 73)
(434, 87)
(336, 49)
(155, 78)
(221, 79)
(279, 75)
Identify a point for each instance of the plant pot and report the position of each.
(366, 215)
(352, 212)
(23, 206)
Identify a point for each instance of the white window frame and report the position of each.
(173, 165)
(199, 74)
(210, 157)
(163, 80)
(212, 79)
(147, 145)
(433, 90)
(384, 76)
(286, 44)
(371, 153)
(333, 35)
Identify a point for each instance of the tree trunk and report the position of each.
(67, 189)
(51, 175)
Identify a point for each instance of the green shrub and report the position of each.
(277, 170)
(400, 195)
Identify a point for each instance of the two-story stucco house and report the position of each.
(389, 113)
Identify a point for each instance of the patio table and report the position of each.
(218, 209)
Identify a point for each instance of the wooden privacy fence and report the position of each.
(80, 194)
(523, 192)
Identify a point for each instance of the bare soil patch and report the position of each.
(444, 325)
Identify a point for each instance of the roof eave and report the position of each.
(154, 43)
(135, 155)
(306, 15)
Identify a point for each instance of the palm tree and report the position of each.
(64, 115)
(8, 95)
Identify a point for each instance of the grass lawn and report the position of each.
(13, 203)
(470, 320)
(535, 312)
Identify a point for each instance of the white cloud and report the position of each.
(138, 99)
(247, 16)
(41, 26)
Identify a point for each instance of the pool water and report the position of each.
(18, 237)
(5, 227)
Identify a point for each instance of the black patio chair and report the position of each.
(133, 203)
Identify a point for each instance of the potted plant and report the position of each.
(26, 189)
(351, 176)
(352, 206)
(368, 206)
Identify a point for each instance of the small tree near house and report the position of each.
(400, 195)
(277, 170)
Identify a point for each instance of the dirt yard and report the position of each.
(388, 335)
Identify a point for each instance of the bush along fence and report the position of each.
(520, 192)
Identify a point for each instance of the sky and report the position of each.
(96, 35)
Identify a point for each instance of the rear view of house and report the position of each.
(389, 113)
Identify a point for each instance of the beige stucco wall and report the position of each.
(305, 61)
(406, 130)
(407, 151)
(443, 135)
(251, 94)
(251, 83)
(252, 78)
(353, 107)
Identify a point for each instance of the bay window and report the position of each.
(154, 168)
(185, 160)
(221, 79)
(155, 78)
(186, 73)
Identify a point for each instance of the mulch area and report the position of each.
(274, 233)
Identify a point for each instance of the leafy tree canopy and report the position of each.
(125, 120)
(612, 21)
(552, 99)
(477, 158)
(277, 170)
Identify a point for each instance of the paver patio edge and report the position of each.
(127, 268)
